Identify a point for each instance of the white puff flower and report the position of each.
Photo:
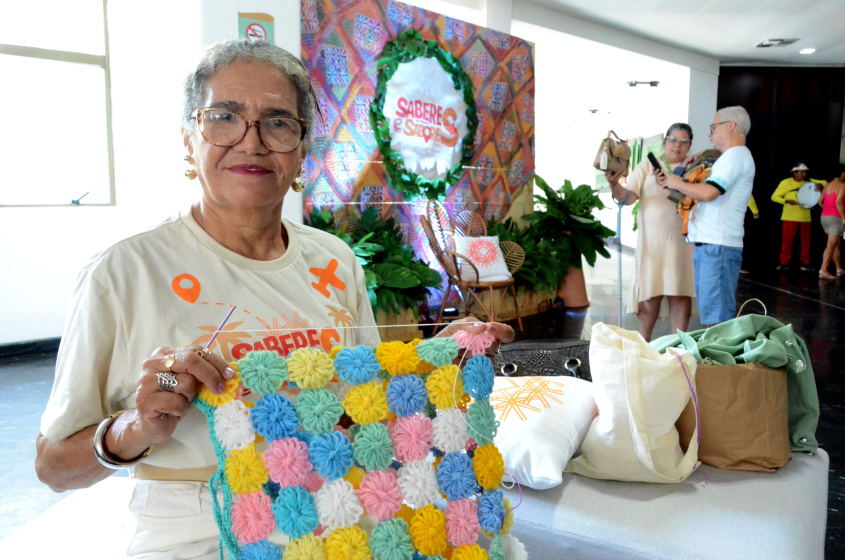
(337, 505)
(232, 425)
(339, 388)
(449, 430)
(513, 549)
(418, 483)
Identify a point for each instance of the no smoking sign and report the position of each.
(254, 33)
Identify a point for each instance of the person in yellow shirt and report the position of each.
(795, 218)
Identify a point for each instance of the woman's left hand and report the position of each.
(501, 332)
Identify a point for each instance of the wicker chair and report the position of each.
(440, 232)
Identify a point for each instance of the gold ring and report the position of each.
(204, 353)
(169, 360)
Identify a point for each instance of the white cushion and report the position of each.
(543, 422)
(486, 255)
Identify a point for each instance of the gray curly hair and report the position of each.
(738, 115)
(222, 54)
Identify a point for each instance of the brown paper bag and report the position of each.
(744, 415)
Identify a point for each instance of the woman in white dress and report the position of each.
(663, 263)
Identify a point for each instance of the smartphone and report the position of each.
(654, 161)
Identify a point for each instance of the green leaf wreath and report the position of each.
(405, 48)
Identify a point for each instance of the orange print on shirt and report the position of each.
(327, 277)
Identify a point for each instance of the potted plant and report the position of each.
(565, 230)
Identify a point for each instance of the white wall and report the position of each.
(153, 45)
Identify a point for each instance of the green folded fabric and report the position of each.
(757, 338)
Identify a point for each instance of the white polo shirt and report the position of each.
(721, 221)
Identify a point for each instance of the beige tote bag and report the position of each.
(640, 394)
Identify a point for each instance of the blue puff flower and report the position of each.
(357, 365)
(456, 477)
(406, 395)
(295, 512)
(274, 417)
(304, 437)
(491, 511)
(331, 455)
(438, 351)
(478, 377)
(262, 550)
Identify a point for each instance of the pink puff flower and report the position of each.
(313, 481)
(412, 437)
(477, 343)
(252, 517)
(287, 461)
(380, 495)
(462, 525)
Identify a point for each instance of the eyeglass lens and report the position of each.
(225, 128)
(714, 125)
(673, 140)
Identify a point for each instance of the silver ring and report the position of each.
(167, 382)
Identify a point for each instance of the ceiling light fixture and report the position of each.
(774, 43)
(653, 83)
(807, 51)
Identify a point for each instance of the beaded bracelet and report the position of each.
(369, 490)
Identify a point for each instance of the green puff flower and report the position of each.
(372, 447)
(438, 351)
(391, 541)
(318, 410)
(482, 422)
(497, 551)
(263, 371)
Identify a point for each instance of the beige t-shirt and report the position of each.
(172, 286)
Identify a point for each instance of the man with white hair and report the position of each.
(716, 226)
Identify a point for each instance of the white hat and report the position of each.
(800, 167)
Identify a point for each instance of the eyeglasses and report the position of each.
(681, 141)
(222, 127)
(714, 125)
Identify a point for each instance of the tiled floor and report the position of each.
(815, 308)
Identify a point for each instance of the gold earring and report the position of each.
(299, 183)
(190, 174)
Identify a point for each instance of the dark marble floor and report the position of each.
(815, 308)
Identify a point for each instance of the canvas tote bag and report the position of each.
(640, 394)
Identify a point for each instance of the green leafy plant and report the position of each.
(563, 229)
(396, 279)
(535, 273)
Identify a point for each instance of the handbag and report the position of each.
(544, 358)
(613, 155)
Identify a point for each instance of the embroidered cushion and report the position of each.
(486, 255)
(543, 422)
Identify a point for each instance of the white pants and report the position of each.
(171, 521)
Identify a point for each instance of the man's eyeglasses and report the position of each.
(714, 125)
(222, 127)
(681, 141)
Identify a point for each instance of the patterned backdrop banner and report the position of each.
(341, 43)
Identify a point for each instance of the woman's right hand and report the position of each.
(614, 176)
(160, 410)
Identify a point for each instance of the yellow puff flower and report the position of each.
(348, 544)
(445, 387)
(308, 547)
(397, 358)
(245, 470)
(488, 466)
(366, 403)
(428, 530)
(508, 524)
(335, 351)
(230, 393)
(354, 476)
(469, 552)
(310, 368)
(422, 366)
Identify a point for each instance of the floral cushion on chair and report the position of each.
(486, 255)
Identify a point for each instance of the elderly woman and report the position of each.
(663, 263)
(248, 116)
